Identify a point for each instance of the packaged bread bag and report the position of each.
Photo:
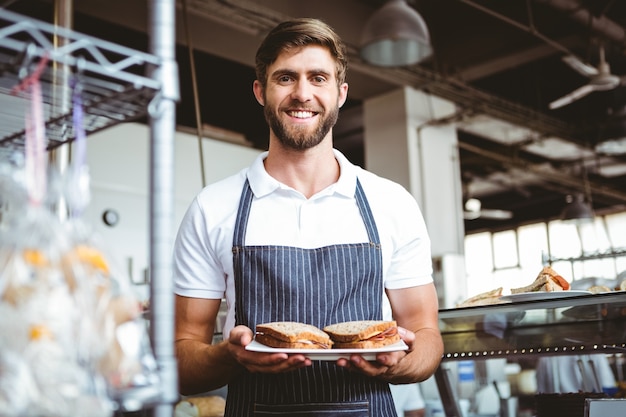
(42, 373)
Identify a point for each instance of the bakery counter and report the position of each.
(548, 323)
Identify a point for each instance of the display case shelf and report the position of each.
(116, 83)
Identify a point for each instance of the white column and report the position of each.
(403, 144)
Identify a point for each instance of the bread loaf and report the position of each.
(211, 406)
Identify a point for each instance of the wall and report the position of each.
(118, 160)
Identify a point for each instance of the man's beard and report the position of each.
(298, 137)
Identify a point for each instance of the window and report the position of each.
(505, 249)
(513, 258)
(480, 269)
(616, 229)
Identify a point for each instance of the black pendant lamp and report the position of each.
(395, 35)
(577, 210)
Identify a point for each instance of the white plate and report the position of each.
(542, 295)
(329, 354)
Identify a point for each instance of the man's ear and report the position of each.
(343, 94)
(258, 92)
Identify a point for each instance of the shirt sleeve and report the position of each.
(196, 267)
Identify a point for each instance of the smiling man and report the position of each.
(303, 235)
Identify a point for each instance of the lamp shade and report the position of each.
(395, 35)
(576, 210)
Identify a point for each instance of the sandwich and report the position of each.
(598, 289)
(364, 334)
(547, 281)
(292, 335)
(484, 298)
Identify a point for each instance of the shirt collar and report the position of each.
(263, 184)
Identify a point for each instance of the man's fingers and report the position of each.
(277, 363)
(241, 336)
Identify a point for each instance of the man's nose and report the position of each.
(302, 91)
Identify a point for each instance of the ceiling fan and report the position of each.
(472, 210)
(600, 79)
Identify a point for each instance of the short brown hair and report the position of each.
(298, 33)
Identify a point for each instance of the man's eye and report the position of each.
(284, 79)
(319, 79)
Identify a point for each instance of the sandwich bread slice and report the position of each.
(364, 334)
(548, 280)
(292, 335)
(484, 298)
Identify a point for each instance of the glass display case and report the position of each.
(531, 325)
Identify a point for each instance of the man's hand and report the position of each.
(274, 363)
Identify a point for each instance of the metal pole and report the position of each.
(446, 393)
(162, 113)
(60, 156)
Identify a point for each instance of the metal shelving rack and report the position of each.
(115, 80)
(613, 253)
(119, 84)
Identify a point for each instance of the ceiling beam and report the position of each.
(564, 180)
(506, 62)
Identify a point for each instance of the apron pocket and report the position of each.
(343, 409)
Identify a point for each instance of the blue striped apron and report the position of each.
(318, 286)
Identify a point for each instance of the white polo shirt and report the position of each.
(280, 215)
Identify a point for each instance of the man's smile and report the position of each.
(301, 114)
